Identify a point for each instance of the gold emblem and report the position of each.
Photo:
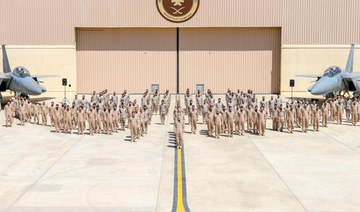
(177, 10)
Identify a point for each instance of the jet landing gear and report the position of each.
(329, 95)
(22, 95)
(356, 94)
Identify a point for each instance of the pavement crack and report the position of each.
(341, 143)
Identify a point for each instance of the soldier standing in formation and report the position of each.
(179, 131)
(133, 123)
(291, 114)
(163, 111)
(8, 114)
(194, 118)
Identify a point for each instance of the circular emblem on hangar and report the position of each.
(177, 10)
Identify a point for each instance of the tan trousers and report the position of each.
(68, 126)
(98, 126)
(290, 126)
(255, 127)
(193, 126)
(230, 129)
(281, 125)
(210, 126)
(43, 119)
(305, 124)
(324, 120)
(217, 130)
(339, 118)
(249, 125)
(179, 138)
(122, 123)
(92, 127)
(162, 118)
(241, 127)
(57, 125)
(332, 115)
(261, 128)
(316, 124)
(36, 118)
(353, 118)
(9, 120)
(81, 126)
(133, 131)
(275, 123)
(109, 127)
(52, 120)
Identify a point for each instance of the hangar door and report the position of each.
(222, 58)
(126, 58)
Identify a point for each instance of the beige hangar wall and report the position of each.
(126, 58)
(235, 58)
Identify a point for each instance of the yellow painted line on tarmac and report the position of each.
(180, 203)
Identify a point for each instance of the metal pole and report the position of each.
(177, 61)
(291, 92)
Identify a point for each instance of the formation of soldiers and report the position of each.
(244, 109)
(242, 112)
(104, 113)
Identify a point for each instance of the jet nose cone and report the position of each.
(320, 87)
(33, 88)
(42, 88)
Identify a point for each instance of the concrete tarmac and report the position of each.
(43, 171)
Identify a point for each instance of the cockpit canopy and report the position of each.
(332, 71)
(21, 72)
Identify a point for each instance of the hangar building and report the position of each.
(128, 44)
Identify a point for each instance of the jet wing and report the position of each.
(350, 75)
(44, 76)
(309, 75)
(4, 77)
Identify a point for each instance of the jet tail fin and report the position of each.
(6, 64)
(350, 62)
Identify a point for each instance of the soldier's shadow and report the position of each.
(172, 140)
(171, 146)
(127, 138)
(203, 132)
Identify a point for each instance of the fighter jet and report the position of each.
(19, 80)
(334, 81)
